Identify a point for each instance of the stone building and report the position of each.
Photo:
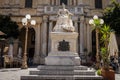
(44, 12)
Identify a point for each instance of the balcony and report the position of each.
(54, 9)
(40, 10)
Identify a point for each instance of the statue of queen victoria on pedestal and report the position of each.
(64, 22)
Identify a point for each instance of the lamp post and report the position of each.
(26, 22)
(97, 23)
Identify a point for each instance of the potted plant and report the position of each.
(106, 71)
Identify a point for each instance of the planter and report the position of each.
(108, 74)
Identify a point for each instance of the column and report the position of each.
(89, 41)
(15, 47)
(88, 38)
(81, 36)
(55, 2)
(58, 2)
(50, 30)
(85, 35)
(76, 26)
(74, 2)
(44, 40)
(80, 2)
(52, 2)
(70, 2)
(37, 45)
(85, 42)
(76, 30)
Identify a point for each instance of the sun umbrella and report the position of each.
(10, 52)
(1, 33)
(113, 47)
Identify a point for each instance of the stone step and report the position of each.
(65, 72)
(46, 72)
(46, 67)
(61, 77)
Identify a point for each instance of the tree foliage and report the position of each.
(105, 35)
(9, 27)
(111, 16)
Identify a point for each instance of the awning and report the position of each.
(113, 46)
(1, 33)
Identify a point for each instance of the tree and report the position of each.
(111, 16)
(9, 27)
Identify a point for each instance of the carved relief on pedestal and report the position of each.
(63, 46)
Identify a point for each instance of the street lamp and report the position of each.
(97, 23)
(26, 23)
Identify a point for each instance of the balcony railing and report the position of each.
(39, 10)
(54, 9)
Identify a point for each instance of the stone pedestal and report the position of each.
(63, 49)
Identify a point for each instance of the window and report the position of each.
(28, 3)
(98, 4)
(63, 1)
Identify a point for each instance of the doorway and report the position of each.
(30, 44)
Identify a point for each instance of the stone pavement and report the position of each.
(15, 73)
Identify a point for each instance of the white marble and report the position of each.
(64, 22)
(56, 57)
(63, 32)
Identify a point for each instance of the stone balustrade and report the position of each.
(19, 11)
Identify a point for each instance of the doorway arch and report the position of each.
(30, 43)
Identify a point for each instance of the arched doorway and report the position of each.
(30, 44)
(93, 54)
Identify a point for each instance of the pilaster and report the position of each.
(85, 35)
(76, 26)
(49, 40)
(81, 35)
(76, 30)
(74, 2)
(52, 2)
(80, 1)
(37, 45)
(58, 2)
(70, 2)
(44, 40)
(89, 41)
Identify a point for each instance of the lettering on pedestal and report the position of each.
(63, 46)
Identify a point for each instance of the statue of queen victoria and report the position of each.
(64, 22)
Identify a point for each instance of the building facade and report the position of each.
(45, 12)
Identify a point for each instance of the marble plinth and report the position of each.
(59, 57)
(62, 58)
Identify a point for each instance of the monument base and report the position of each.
(62, 58)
